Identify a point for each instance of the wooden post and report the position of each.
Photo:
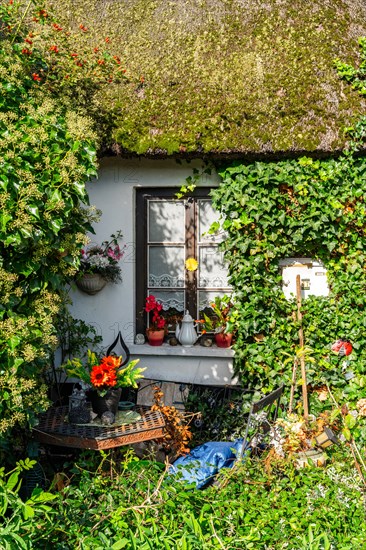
(302, 356)
(293, 384)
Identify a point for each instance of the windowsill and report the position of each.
(180, 351)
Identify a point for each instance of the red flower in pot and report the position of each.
(157, 325)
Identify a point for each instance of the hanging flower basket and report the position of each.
(91, 283)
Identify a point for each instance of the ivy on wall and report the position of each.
(299, 208)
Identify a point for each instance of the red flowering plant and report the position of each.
(105, 373)
(154, 308)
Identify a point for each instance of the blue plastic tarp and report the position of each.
(202, 464)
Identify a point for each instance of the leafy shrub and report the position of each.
(114, 500)
(19, 519)
(48, 153)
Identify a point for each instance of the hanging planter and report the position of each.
(99, 265)
(91, 283)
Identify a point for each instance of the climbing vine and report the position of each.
(303, 208)
(299, 208)
(47, 154)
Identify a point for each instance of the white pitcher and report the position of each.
(186, 333)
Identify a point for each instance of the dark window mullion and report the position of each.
(191, 277)
(141, 260)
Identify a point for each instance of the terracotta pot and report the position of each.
(155, 337)
(109, 402)
(223, 339)
(91, 283)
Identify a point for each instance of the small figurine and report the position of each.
(108, 418)
(139, 339)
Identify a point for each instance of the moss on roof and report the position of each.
(229, 76)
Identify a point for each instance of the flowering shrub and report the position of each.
(103, 259)
(154, 307)
(50, 124)
(104, 374)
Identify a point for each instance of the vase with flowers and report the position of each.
(157, 323)
(219, 322)
(103, 378)
(99, 265)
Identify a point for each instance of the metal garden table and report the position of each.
(53, 429)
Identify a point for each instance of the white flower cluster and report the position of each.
(98, 261)
(277, 439)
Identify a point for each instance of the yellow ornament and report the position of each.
(191, 264)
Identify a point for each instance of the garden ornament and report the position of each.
(186, 333)
(342, 347)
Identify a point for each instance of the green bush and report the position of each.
(48, 153)
(117, 501)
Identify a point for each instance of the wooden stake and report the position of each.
(302, 356)
(293, 384)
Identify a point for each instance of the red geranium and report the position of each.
(154, 307)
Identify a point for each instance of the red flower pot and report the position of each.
(155, 337)
(223, 339)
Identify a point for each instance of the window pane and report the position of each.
(172, 301)
(166, 221)
(206, 216)
(212, 270)
(166, 266)
(205, 298)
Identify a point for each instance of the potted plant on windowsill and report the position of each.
(157, 326)
(99, 265)
(219, 322)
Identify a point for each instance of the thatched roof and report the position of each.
(230, 76)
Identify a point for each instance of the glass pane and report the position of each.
(212, 270)
(172, 301)
(206, 216)
(205, 298)
(166, 221)
(166, 266)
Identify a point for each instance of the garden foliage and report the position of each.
(47, 154)
(301, 208)
(116, 501)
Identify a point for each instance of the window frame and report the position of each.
(191, 288)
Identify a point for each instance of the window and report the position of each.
(168, 232)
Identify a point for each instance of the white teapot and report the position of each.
(186, 334)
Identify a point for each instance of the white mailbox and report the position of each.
(313, 277)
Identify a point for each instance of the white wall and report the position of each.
(113, 308)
